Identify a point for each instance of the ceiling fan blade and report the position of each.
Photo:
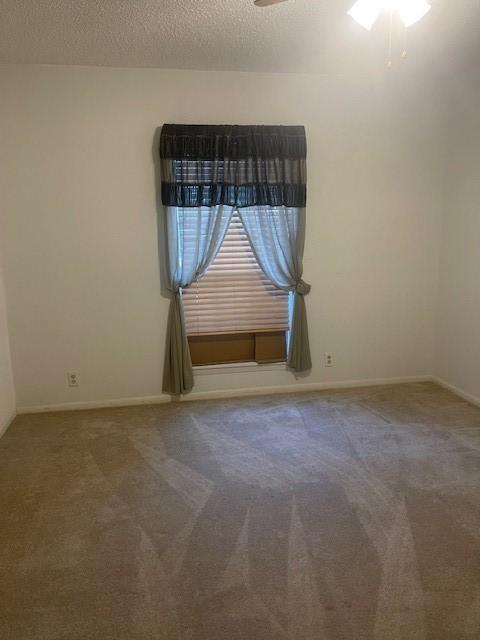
(267, 3)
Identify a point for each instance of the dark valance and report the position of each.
(241, 166)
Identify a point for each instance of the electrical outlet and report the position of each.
(72, 377)
(329, 360)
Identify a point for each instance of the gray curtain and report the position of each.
(194, 236)
(277, 236)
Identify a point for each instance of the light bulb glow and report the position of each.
(366, 12)
(412, 11)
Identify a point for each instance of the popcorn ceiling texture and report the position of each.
(295, 36)
(232, 34)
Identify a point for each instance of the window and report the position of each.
(209, 171)
(233, 313)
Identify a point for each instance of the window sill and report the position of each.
(237, 367)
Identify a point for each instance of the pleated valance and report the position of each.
(235, 165)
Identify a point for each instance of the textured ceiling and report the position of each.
(296, 36)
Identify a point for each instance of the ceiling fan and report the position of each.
(366, 12)
(266, 3)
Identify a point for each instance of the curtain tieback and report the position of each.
(302, 288)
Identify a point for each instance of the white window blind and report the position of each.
(234, 295)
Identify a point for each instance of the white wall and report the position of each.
(7, 393)
(80, 242)
(458, 328)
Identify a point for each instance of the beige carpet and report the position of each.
(329, 515)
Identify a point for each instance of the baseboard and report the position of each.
(301, 387)
(222, 393)
(94, 404)
(239, 393)
(6, 424)
(457, 391)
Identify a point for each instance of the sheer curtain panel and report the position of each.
(194, 236)
(277, 236)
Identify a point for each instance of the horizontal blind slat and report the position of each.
(234, 295)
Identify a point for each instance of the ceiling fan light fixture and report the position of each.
(366, 12)
(412, 11)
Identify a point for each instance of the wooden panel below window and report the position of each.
(259, 347)
(270, 347)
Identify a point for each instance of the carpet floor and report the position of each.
(337, 515)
